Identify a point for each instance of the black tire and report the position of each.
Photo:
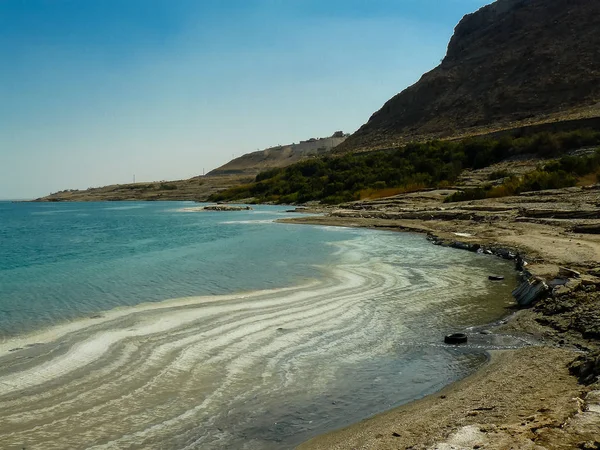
(456, 338)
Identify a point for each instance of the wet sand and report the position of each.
(524, 398)
(500, 407)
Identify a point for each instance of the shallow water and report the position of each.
(293, 351)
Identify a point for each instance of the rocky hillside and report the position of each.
(510, 64)
(280, 156)
(237, 172)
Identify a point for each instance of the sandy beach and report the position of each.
(522, 399)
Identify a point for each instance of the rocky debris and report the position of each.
(298, 209)
(570, 286)
(565, 286)
(520, 263)
(589, 445)
(569, 273)
(530, 291)
(226, 208)
(590, 280)
(576, 313)
(465, 246)
(427, 214)
(586, 368)
(503, 253)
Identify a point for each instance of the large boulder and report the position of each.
(530, 291)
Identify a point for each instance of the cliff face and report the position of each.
(511, 63)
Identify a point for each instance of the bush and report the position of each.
(496, 175)
(420, 165)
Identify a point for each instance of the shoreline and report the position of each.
(488, 409)
(165, 356)
(520, 412)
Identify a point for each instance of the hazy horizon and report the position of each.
(95, 92)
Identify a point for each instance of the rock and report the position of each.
(560, 291)
(569, 273)
(570, 286)
(556, 305)
(589, 280)
(558, 282)
(460, 246)
(530, 291)
(520, 263)
(504, 253)
(589, 445)
(227, 208)
(573, 284)
(586, 368)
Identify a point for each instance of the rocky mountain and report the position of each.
(280, 156)
(512, 63)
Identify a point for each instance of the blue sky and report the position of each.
(94, 91)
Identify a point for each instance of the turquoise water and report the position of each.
(63, 261)
(141, 326)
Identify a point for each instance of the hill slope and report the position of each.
(239, 171)
(280, 156)
(511, 63)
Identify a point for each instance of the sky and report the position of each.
(93, 92)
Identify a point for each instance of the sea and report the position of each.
(144, 325)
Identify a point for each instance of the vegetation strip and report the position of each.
(416, 166)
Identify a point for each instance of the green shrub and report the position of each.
(496, 175)
(430, 164)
